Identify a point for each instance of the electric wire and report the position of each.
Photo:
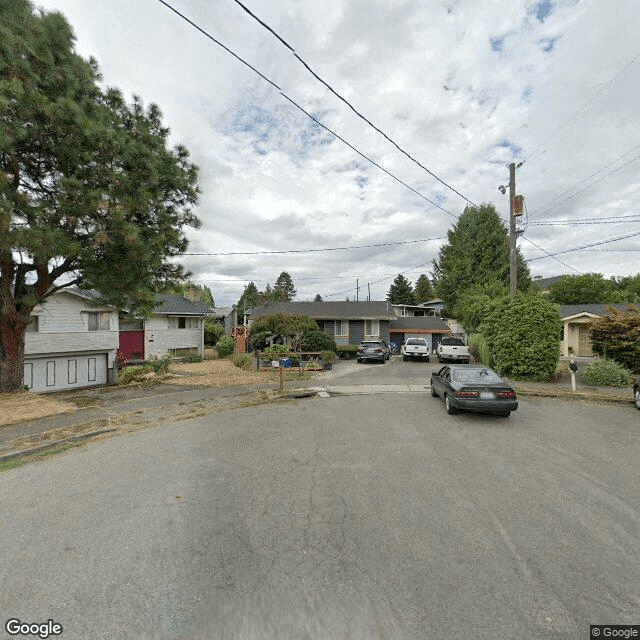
(361, 246)
(587, 246)
(588, 221)
(273, 84)
(346, 102)
(564, 264)
(584, 106)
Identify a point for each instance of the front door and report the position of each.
(584, 344)
(132, 345)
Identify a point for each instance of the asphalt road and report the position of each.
(360, 514)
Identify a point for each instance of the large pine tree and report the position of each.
(90, 193)
(401, 291)
(283, 288)
(423, 289)
(476, 255)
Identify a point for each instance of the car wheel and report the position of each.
(636, 397)
(433, 392)
(451, 410)
(404, 358)
(358, 360)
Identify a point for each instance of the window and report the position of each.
(98, 321)
(188, 323)
(51, 373)
(342, 327)
(27, 378)
(91, 369)
(72, 371)
(32, 327)
(371, 328)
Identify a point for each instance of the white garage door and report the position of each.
(57, 373)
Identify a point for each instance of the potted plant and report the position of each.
(328, 358)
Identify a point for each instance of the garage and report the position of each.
(59, 373)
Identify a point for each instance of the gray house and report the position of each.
(346, 322)
(429, 327)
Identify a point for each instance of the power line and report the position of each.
(585, 105)
(544, 206)
(361, 246)
(589, 221)
(586, 246)
(564, 264)
(345, 101)
(273, 84)
(573, 195)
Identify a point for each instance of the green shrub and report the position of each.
(523, 337)
(225, 346)
(318, 341)
(131, 374)
(244, 361)
(213, 331)
(346, 350)
(276, 350)
(479, 348)
(260, 340)
(605, 372)
(193, 357)
(160, 364)
(617, 336)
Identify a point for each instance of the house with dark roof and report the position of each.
(543, 284)
(347, 322)
(575, 339)
(429, 327)
(72, 340)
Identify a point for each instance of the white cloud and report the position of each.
(465, 86)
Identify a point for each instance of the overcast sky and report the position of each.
(463, 86)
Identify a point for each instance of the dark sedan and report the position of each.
(473, 389)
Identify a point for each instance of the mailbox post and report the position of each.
(573, 367)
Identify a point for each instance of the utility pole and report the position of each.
(513, 265)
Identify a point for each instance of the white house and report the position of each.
(575, 339)
(72, 343)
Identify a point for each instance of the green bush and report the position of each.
(523, 337)
(346, 350)
(605, 372)
(276, 350)
(193, 357)
(131, 374)
(479, 348)
(244, 361)
(260, 340)
(318, 341)
(213, 331)
(160, 364)
(617, 336)
(225, 346)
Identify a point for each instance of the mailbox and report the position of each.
(573, 366)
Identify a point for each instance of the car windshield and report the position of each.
(477, 376)
(452, 342)
(417, 341)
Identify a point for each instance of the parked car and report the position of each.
(453, 349)
(473, 389)
(373, 350)
(636, 392)
(416, 348)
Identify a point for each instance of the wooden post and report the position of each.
(281, 376)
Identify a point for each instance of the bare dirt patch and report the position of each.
(16, 407)
(218, 373)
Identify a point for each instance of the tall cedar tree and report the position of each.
(477, 254)
(90, 195)
(248, 299)
(283, 290)
(401, 291)
(423, 289)
(589, 288)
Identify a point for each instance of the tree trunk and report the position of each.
(12, 329)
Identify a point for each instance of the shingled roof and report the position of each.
(345, 310)
(568, 310)
(429, 324)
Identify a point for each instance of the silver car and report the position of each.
(373, 350)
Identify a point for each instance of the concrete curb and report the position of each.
(569, 395)
(51, 444)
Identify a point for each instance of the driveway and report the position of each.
(454, 526)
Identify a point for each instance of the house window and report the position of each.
(51, 373)
(32, 327)
(342, 328)
(98, 321)
(371, 328)
(91, 364)
(72, 371)
(188, 323)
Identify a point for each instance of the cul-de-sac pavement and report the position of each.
(371, 514)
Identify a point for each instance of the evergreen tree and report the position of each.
(90, 194)
(401, 291)
(247, 300)
(318, 298)
(284, 289)
(476, 255)
(424, 289)
(589, 288)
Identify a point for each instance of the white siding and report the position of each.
(162, 334)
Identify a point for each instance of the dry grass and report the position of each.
(15, 407)
(218, 373)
